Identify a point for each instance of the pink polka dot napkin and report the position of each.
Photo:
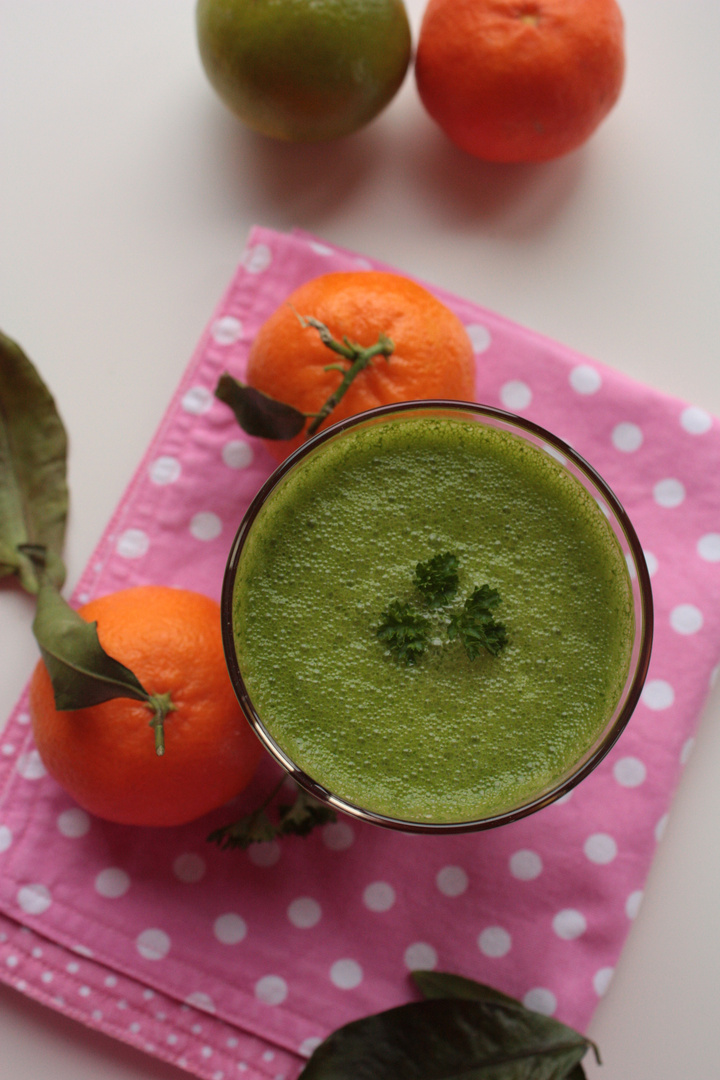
(239, 963)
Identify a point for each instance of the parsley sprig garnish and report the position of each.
(437, 579)
(407, 631)
(297, 818)
(475, 624)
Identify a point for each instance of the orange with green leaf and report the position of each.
(343, 343)
(103, 754)
(132, 707)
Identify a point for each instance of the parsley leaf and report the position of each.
(476, 626)
(404, 631)
(301, 817)
(254, 828)
(297, 819)
(437, 579)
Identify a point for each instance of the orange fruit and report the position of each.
(520, 80)
(104, 756)
(304, 71)
(432, 355)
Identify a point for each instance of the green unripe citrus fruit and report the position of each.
(304, 70)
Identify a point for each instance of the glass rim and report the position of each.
(632, 692)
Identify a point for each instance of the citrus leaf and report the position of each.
(33, 486)
(258, 413)
(443, 984)
(81, 672)
(449, 1039)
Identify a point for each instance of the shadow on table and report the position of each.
(392, 163)
(512, 200)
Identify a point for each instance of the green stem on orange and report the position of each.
(358, 356)
(160, 705)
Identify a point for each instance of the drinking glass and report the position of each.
(627, 539)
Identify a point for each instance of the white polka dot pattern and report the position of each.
(379, 896)
(30, 767)
(189, 867)
(627, 437)
(658, 694)
(494, 941)
(695, 421)
(338, 836)
(265, 854)
(629, 772)
(133, 544)
(206, 525)
(539, 909)
(197, 400)
(73, 823)
(569, 924)
(602, 980)
(585, 379)
(516, 395)
(452, 881)
(669, 493)
(230, 928)
(600, 848)
(153, 944)
(525, 865)
(112, 882)
(708, 547)
(226, 330)
(686, 619)
(420, 956)
(633, 902)
(479, 336)
(271, 990)
(541, 1000)
(346, 974)
(257, 258)
(237, 454)
(304, 912)
(34, 899)
(165, 470)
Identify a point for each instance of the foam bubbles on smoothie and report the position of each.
(317, 573)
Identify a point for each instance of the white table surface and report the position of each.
(126, 195)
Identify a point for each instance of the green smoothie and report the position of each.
(447, 738)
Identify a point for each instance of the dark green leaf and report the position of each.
(33, 486)
(304, 814)
(297, 818)
(476, 626)
(449, 1039)
(81, 671)
(258, 413)
(437, 579)
(254, 828)
(443, 984)
(404, 631)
